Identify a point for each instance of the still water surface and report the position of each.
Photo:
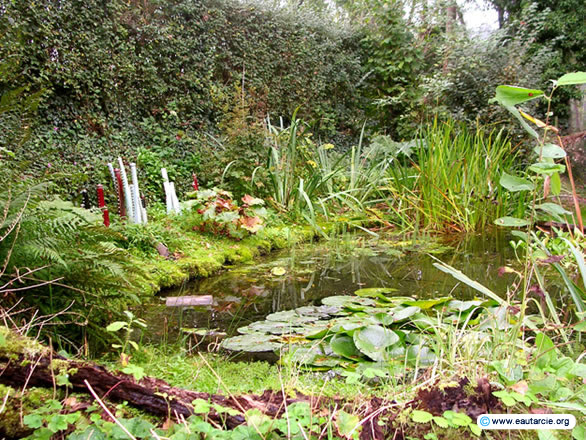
(314, 271)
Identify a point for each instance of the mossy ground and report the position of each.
(195, 254)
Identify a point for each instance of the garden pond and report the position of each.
(304, 275)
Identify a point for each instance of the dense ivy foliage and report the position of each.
(157, 74)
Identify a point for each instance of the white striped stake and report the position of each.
(168, 198)
(112, 174)
(127, 193)
(136, 208)
(176, 206)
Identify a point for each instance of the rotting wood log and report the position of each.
(149, 394)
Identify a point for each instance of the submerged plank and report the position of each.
(192, 300)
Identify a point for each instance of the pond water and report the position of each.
(304, 275)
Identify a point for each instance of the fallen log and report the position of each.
(33, 365)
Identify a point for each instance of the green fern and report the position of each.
(55, 256)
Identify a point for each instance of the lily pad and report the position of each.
(275, 328)
(373, 340)
(278, 271)
(290, 316)
(428, 303)
(375, 292)
(401, 314)
(253, 342)
(345, 301)
(343, 345)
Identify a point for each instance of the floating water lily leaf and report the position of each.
(373, 340)
(375, 292)
(275, 328)
(421, 354)
(343, 345)
(317, 330)
(396, 352)
(304, 355)
(278, 271)
(318, 312)
(401, 314)
(253, 342)
(385, 318)
(463, 306)
(345, 301)
(351, 323)
(290, 316)
(427, 303)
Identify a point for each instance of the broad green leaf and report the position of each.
(421, 416)
(135, 371)
(550, 151)
(579, 432)
(547, 168)
(555, 184)
(373, 340)
(515, 112)
(546, 434)
(475, 429)
(553, 209)
(546, 352)
(457, 418)
(441, 422)
(401, 314)
(57, 423)
(572, 78)
(347, 423)
(514, 183)
(511, 95)
(343, 345)
(511, 222)
(33, 421)
(115, 326)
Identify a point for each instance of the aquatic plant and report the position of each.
(452, 183)
(371, 326)
(544, 173)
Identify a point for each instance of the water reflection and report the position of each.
(312, 272)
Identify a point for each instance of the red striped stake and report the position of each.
(195, 184)
(102, 205)
(120, 191)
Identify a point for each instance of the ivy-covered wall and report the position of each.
(161, 75)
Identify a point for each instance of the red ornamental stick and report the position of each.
(195, 184)
(102, 205)
(120, 191)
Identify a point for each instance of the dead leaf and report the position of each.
(521, 387)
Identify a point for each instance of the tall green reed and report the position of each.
(453, 181)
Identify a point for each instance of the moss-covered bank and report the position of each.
(193, 254)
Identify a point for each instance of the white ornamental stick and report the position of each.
(168, 198)
(176, 206)
(111, 169)
(135, 194)
(127, 194)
